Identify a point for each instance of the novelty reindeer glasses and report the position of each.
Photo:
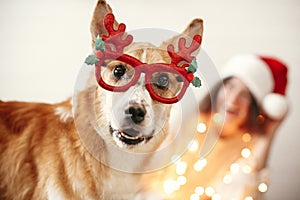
(166, 83)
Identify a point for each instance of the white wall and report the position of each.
(43, 43)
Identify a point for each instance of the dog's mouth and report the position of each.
(129, 136)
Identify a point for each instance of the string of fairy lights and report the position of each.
(180, 177)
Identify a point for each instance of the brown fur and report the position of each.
(41, 154)
(36, 145)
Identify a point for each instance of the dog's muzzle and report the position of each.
(129, 136)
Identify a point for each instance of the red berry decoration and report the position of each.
(190, 77)
(99, 54)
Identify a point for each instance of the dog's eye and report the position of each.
(119, 71)
(162, 81)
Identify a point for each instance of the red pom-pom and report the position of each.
(190, 77)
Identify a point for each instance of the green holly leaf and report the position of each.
(91, 60)
(99, 44)
(196, 82)
(193, 66)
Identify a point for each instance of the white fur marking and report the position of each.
(52, 192)
(64, 113)
(144, 56)
(71, 102)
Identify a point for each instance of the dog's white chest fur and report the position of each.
(52, 191)
(128, 186)
(121, 185)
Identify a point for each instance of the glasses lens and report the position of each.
(166, 84)
(116, 73)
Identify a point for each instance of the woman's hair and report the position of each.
(208, 105)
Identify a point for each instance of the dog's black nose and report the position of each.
(137, 113)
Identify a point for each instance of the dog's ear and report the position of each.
(97, 25)
(194, 28)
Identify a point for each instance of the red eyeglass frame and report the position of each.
(115, 38)
(148, 70)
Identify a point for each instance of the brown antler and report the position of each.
(184, 53)
(114, 37)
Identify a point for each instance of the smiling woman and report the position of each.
(239, 106)
(238, 110)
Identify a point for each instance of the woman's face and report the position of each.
(234, 101)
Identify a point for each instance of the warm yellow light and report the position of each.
(170, 186)
(194, 197)
(262, 187)
(234, 168)
(246, 137)
(248, 198)
(193, 146)
(199, 190)
(181, 168)
(247, 169)
(227, 179)
(197, 167)
(217, 118)
(200, 164)
(216, 197)
(209, 191)
(246, 153)
(181, 180)
(201, 127)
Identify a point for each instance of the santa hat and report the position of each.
(266, 78)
